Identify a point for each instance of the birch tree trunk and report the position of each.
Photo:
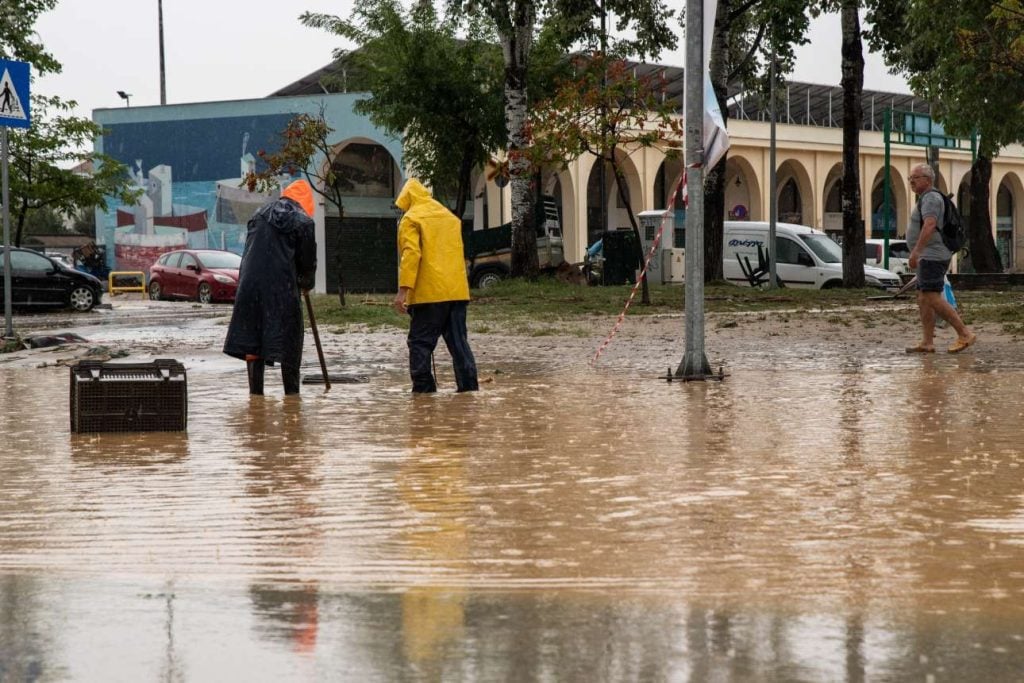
(516, 44)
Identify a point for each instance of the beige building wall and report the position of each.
(809, 170)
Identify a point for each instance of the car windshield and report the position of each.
(824, 247)
(899, 250)
(220, 259)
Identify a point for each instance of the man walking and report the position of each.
(278, 263)
(929, 258)
(432, 287)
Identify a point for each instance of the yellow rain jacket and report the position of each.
(431, 261)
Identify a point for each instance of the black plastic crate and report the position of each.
(129, 397)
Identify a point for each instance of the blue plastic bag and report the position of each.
(947, 292)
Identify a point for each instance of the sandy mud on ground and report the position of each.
(835, 509)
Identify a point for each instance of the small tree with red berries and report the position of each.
(605, 107)
(305, 150)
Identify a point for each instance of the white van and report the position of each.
(805, 257)
(899, 255)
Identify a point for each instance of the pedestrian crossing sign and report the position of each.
(14, 100)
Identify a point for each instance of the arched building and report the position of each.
(190, 159)
(809, 171)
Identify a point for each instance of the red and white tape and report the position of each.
(647, 261)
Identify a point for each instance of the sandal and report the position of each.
(962, 343)
(920, 348)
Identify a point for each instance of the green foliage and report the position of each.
(84, 222)
(642, 26)
(304, 148)
(441, 92)
(40, 164)
(18, 38)
(967, 59)
(44, 221)
(41, 157)
(746, 31)
(604, 106)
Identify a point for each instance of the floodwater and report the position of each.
(849, 519)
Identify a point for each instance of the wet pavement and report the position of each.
(855, 518)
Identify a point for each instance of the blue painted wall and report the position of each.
(202, 145)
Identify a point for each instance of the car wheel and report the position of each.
(487, 278)
(155, 291)
(82, 299)
(205, 293)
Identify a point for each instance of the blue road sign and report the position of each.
(14, 100)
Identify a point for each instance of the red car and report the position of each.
(203, 275)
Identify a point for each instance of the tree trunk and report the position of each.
(982, 245)
(339, 267)
(620, 185)
(19, 223)
(336, 199)
(516, 43)
(853, 84)
(714, 181)
(465, 176)
(714, 221)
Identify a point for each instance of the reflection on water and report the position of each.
(861, 522)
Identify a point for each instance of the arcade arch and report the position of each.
(742, 190)
(665, 181)
(367, 175)
(795, 201)
(897, 205)
(1008, 221)
(615, 213)
(832, 216)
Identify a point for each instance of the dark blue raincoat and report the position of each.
(278, 262)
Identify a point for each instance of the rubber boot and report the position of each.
(254, 368)
(291, 375)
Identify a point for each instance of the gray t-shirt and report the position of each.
(931, 204)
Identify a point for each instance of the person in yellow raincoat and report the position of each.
(432, 287)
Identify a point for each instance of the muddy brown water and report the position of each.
(852, 519)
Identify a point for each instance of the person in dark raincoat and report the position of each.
(432, 287)
(278, 265)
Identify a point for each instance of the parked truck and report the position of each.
(489, 252)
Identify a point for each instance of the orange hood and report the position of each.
(301, 193)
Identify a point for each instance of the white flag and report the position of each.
(716, 138)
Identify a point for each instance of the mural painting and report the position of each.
(190, 172)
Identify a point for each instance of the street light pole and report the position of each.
(163, 84)
(695, 364)
(773, 188)
(8, 321)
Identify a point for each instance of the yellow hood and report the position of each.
(431, 259)
(412, 192)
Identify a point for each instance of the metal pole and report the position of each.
(163, 83)
(695, 364)
(886, 200)
(773, 180)
(8, 323)
(602, 194)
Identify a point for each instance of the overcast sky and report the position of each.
(227, 50)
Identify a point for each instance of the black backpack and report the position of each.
(954, 236)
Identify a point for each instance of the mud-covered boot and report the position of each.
(255, 368)
(291, 375)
